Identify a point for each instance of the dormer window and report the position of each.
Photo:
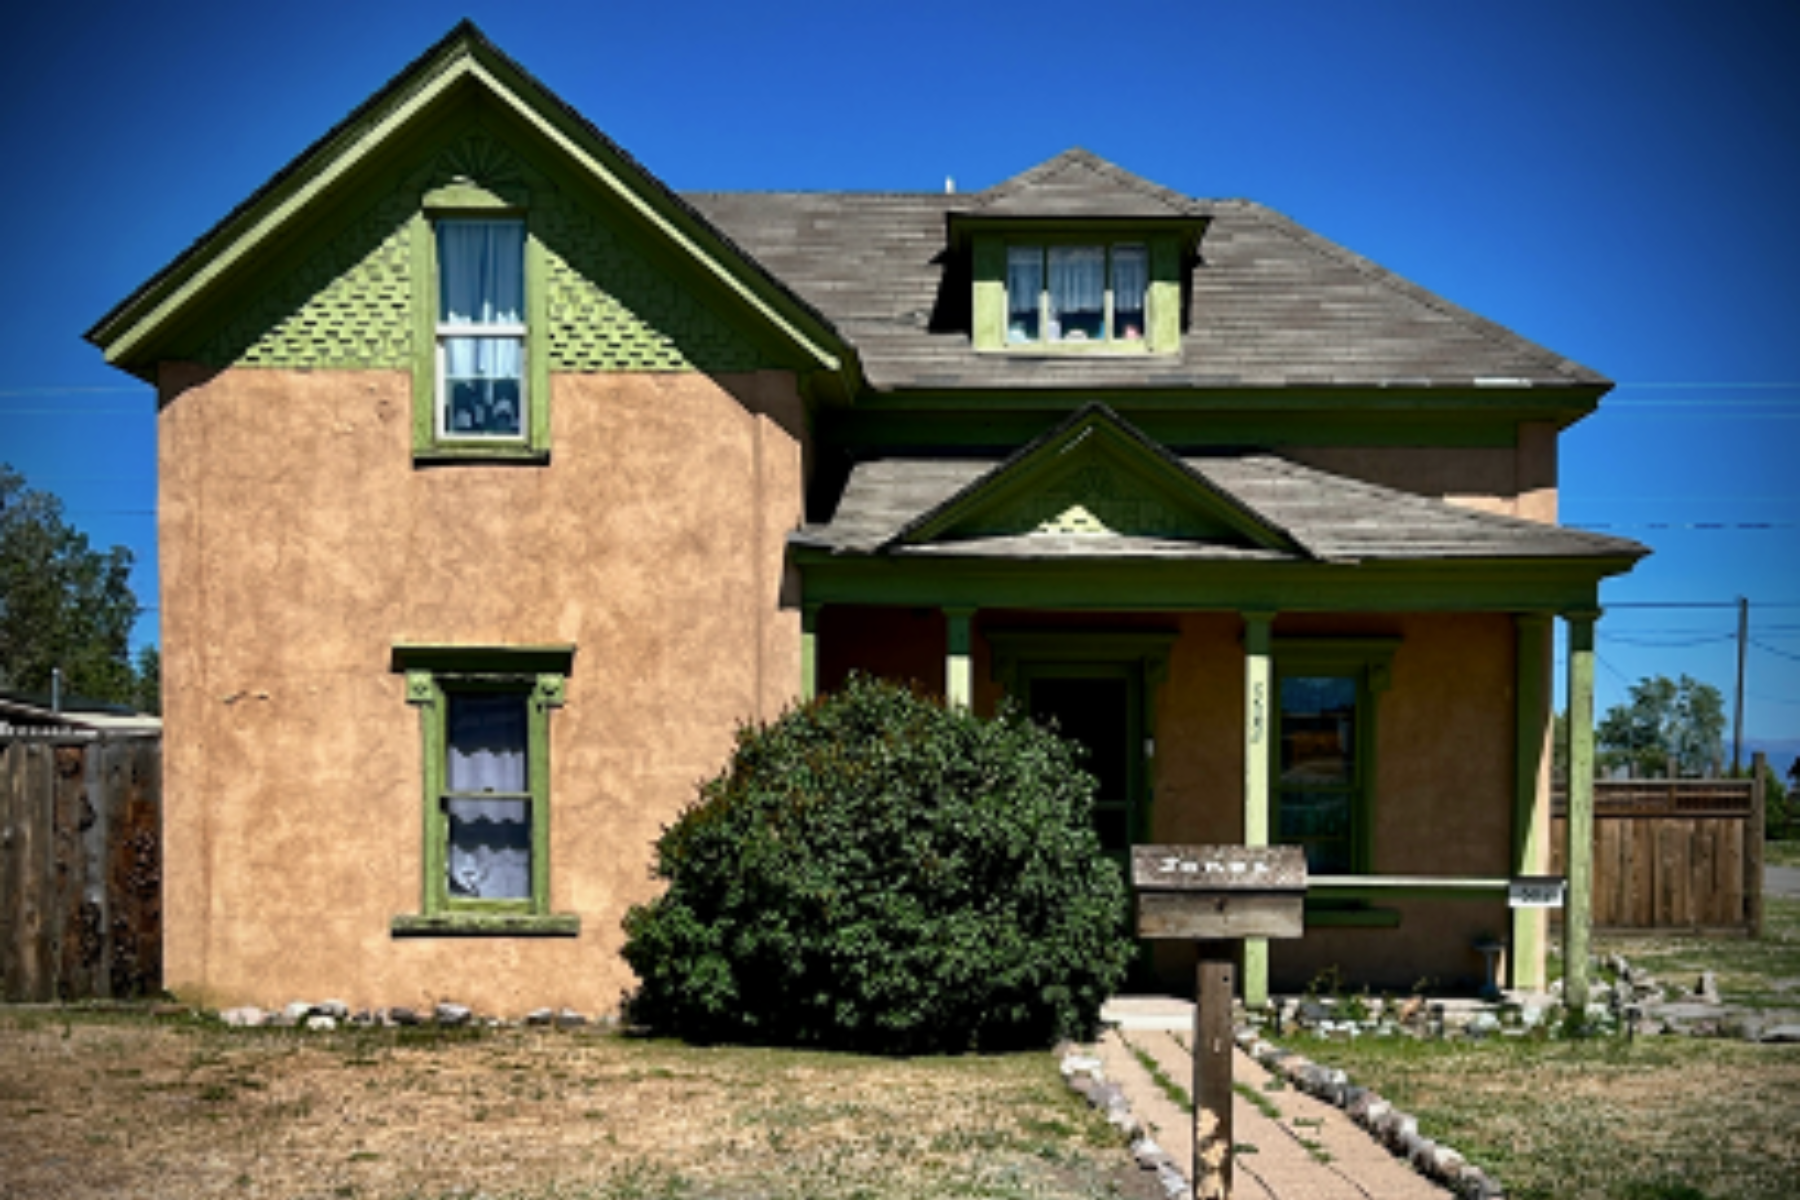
(1073, 294)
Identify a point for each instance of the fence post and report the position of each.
(1754, 833)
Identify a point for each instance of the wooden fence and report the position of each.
(1674, 854)
(80, 867)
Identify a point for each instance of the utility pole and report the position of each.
(1737, 709)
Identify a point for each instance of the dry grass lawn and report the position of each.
(113, 1105)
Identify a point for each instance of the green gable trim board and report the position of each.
(462, 70)
(1093, 476)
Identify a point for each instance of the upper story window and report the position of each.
(1074, 294)
(481, 329)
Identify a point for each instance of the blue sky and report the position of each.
(1614, 180)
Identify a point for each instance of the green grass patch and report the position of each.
(1606, 1119)
(1757, 972)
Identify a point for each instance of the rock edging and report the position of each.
(1396, 1130)
(322, 1015)
(1087, 1078)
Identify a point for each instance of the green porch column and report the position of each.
(1531, 800)
(1579, 844)
(809, 652)
(1258, 719)
(959, 665)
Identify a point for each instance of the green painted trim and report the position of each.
(1530, 832)
(989, 319)
(991, 310)
(521, 660)
(1578, 847)
(1146, 649)
(471, 924)
(1095, 439)
(430, 447)
(1030, 657)
(959, 667)
(1260, 715)
(809, 652)
(432, 672)
(459, 70)
(1368, 661)
(1352, 918)
(1164, 301)
(1376, 887)
(1140, 585)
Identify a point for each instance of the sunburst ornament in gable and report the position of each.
(480, 159)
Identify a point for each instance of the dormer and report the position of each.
(1078, 256)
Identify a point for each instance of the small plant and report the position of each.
(1174, 1091)
(1257, 1100)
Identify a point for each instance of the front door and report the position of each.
(1099, 709)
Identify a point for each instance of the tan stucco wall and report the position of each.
(299, 544)
(1444, 763)
(1514, 481)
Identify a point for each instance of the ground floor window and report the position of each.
(485, 727)
(1325, 747)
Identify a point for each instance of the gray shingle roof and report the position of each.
(1272, 304)
(1077, 183)
(1333, 518)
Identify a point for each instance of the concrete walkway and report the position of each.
(1309, 1150)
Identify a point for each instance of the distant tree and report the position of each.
(63, 604)
(147, 696)
(1678, 723)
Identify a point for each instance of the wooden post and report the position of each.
(1212, 1072)
(1531, 800)
(1259, 700)
(1578, 853)
(1755, 831)
(959, 670)
(809, 651)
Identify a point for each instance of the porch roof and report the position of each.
(1330, 518)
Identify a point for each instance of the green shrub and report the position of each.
(877, 872)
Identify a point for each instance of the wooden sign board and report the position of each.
(1219, 893)
(1216, 895)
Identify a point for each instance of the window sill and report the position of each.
(1352, 918)
(467, 452)
(1076, 350)
(489, 924)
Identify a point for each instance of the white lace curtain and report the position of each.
(481, 282)
(490, 839)
(1077, 279)
(1024, 279)
(481, 272)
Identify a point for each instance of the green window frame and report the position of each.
(438, 678)
(1322, 774)
(1142, 264)
(1040, 311)
(434, 438)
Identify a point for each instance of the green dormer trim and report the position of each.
(1168, 244)
(1095, 476)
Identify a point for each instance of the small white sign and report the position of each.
(1536, 891)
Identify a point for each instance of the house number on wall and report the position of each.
(1259, 701)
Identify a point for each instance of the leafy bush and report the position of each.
(877, 872)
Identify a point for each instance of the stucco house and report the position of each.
(499, 484)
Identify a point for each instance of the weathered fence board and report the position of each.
(1673, 854)
(80, 867)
